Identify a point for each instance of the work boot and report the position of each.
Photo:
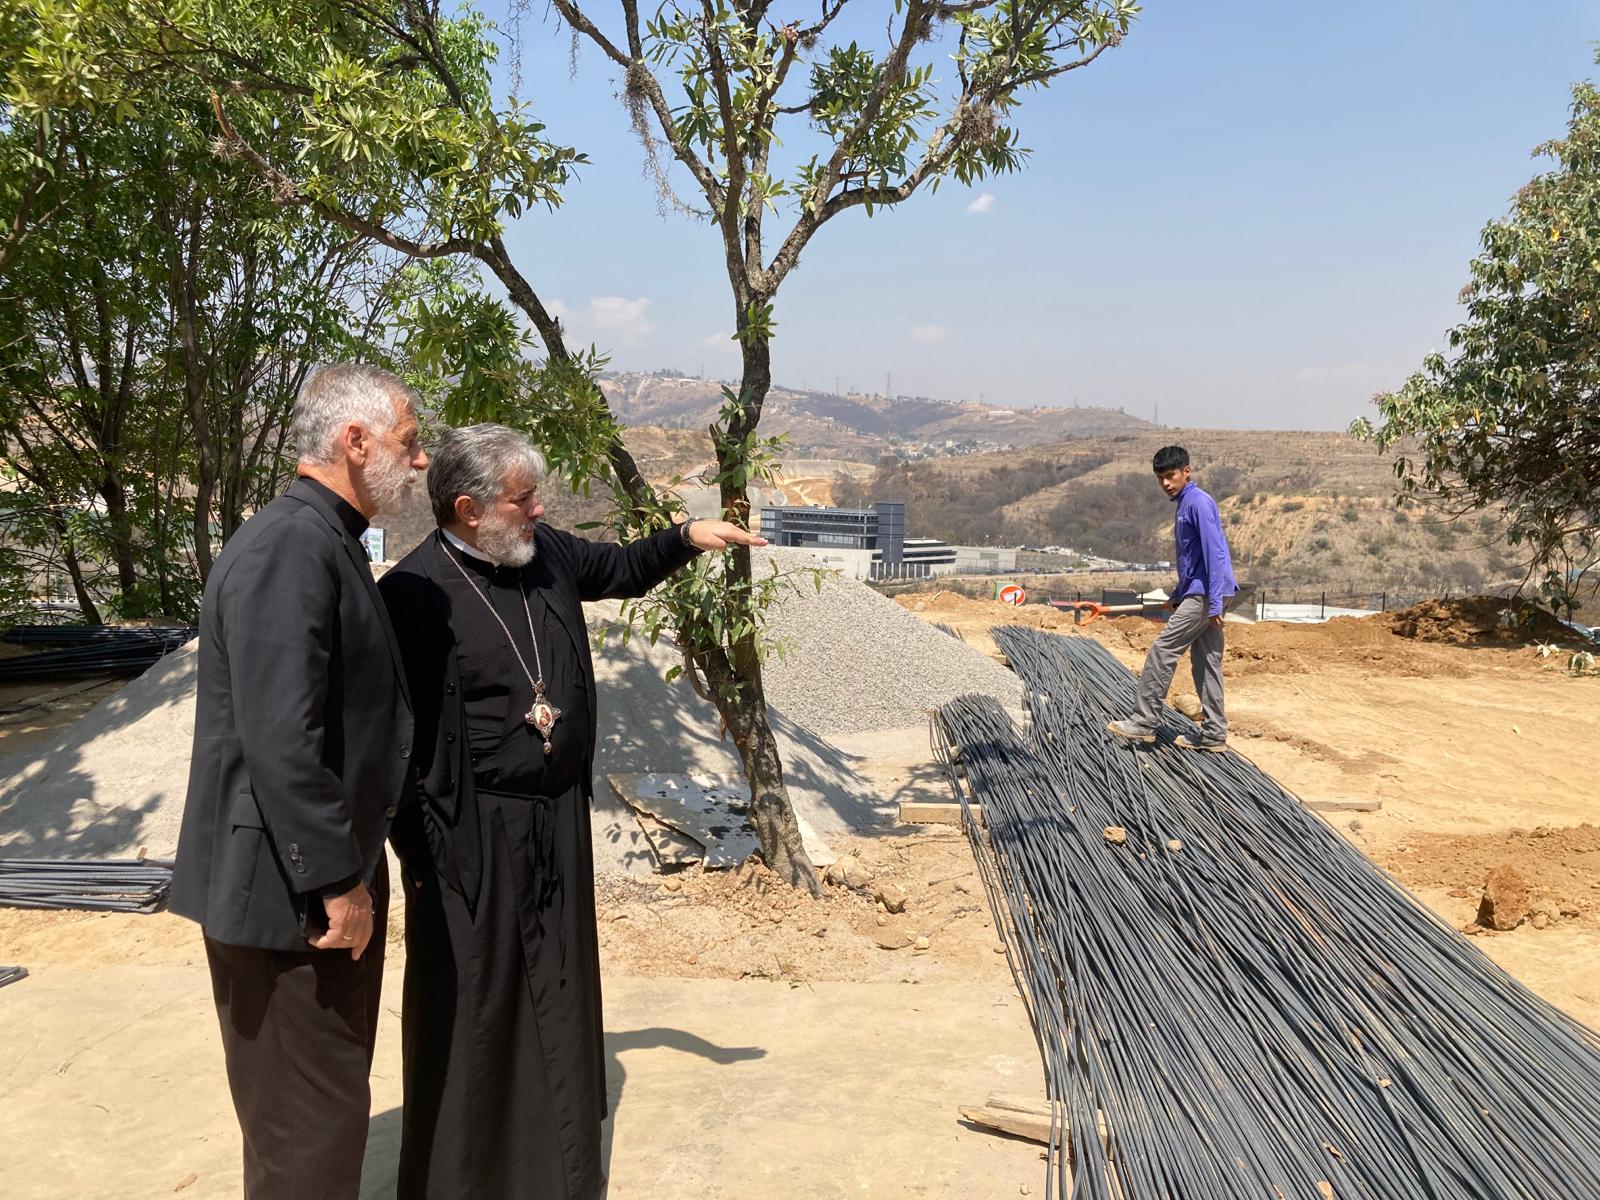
(1200, 742)
(1132, 731)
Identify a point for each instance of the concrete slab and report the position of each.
(111, 1088)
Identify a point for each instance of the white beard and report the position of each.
(503, 542)
(389, 481)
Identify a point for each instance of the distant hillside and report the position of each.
(857, 427)
(1301, 508)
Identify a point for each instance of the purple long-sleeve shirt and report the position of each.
(1205, 567)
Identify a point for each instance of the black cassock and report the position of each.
(504, 1059)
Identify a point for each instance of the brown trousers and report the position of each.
(298, 1030)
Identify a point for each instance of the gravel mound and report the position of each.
(648, 725)
(855, 660)
(114, 780)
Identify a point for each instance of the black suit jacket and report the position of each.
(567, 570)
(302, 730)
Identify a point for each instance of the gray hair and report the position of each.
(340, 394)
(476, 461)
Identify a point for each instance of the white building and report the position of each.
(983, 560)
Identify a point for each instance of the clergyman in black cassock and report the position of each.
(502, 1040)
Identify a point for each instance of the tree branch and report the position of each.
(641, 81)
(287, 191)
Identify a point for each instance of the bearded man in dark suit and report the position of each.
(504, 1063)
(301, 761)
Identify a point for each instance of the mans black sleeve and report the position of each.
(608, 571)
(279, 614)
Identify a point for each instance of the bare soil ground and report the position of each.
(1479, 750)
(747, 925)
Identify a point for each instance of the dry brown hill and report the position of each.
(859, 427)
(1301, 508)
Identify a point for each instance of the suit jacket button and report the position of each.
(299, 867)
(450, 737)
(405, 751)
(390, 812)
(449, 689)
(294, 849)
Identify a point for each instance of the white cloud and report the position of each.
(720, 342)
(606, 321)
(929, 333)
(982, 204)
(620, 319)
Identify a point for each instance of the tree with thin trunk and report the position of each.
(877, 126)
(399, 139)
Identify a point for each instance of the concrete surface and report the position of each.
(719, 1089)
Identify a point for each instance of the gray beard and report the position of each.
(389, 482)
(502, 543)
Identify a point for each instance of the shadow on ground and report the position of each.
(381, 1167)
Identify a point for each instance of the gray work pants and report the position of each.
(1188, 628)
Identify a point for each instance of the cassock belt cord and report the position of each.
(546, 864)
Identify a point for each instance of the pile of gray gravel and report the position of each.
(111, 783)
(855, 660)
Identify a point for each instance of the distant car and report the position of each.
(1588, 631)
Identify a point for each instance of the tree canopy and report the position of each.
(1509, 417)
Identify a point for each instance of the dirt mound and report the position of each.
(1367, 643)
(1561, 865)
(1289, 649)
(1480, 621)
(746, 924)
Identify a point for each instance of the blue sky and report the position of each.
(1250, 215)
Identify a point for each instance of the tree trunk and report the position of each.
(743, 708)
(735, 680)
(69, 555)
(121, 528)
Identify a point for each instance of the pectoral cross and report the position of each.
(543, 715)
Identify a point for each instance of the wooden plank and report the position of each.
(1021, 1116)
(1024, 1125)
(919, 812)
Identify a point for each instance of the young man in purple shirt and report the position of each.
(1205, 581)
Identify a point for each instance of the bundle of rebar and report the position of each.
(1232, 1001)
(80, 650)
(101, 885)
